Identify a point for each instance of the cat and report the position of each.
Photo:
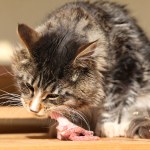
(90, 62)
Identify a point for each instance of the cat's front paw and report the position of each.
(139, 127)
(112, 129)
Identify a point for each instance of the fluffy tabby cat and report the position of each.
(91, 62)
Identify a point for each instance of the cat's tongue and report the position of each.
(66, 130)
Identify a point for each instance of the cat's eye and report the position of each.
(67, 94)
(52, 96)
(30, 87)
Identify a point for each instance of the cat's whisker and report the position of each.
(3, 74)
(72, 117)
(83, 117)
(29, 74)
(8, 72)
(12, 94)
(54, 124)
(9, 97)
(5, 92)
(10, 101)
(79, 114)
(10, 86)
(16, 105)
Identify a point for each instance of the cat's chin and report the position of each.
(41, 113)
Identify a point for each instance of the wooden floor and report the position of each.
(12, 119)
(41, 142)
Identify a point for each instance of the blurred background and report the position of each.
(32, 12)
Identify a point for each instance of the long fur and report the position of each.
(107, 86)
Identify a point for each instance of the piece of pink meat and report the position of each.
(66, 130)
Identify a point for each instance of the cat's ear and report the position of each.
(87, 50)
(28, 35)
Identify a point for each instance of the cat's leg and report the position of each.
(137, 128)
(114, 119)
(113, 128)
(140, 124)
(134, 120)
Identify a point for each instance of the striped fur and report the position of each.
(60, 70)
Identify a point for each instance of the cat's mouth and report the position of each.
(69, 108)
(66, 130)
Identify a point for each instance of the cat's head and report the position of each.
(58, 71)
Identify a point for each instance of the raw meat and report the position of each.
(66, 130)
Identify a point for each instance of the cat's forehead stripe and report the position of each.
(57, 51)
(50, 82)
(39, 80)
(34, 79)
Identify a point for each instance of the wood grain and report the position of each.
(19, 120)
(41, 142)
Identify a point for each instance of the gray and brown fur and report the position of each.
(92, 59)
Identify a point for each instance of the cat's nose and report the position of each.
(35, 108)
(34, 111)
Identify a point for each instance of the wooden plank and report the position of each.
(15, 112)
(41, 142)
(19, 120)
